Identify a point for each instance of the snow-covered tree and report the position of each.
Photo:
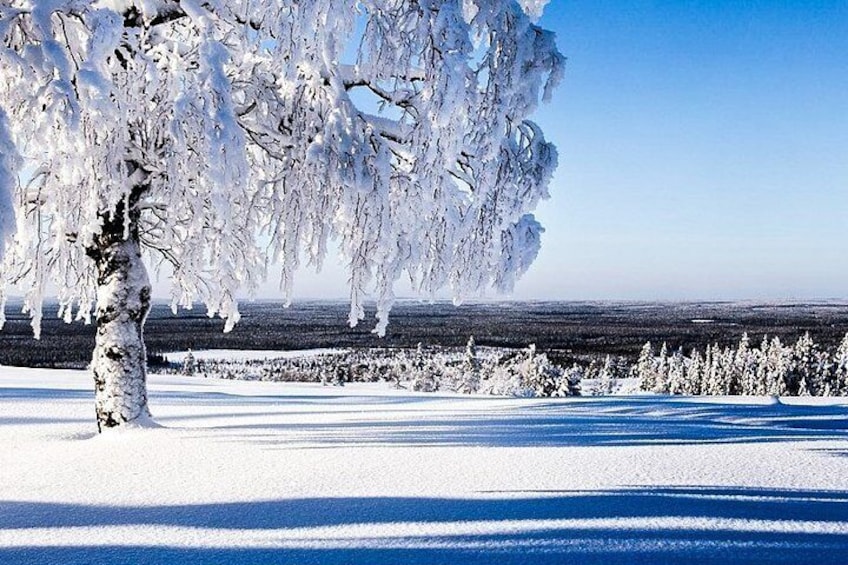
(711, 382)
(422, 373)
(469, 372)
(805, 377)
(840, 368)
(219, 137)
(539, 375)
(660, 380)
(570, 383)
(777, 363)
(10, 163)
(507, 376)
(646, 367)
(744, 367)
(189, 367)
(605, 379)
(824, 371)
(717, 371)
(727, 382)
(694, 374)
(341, 375)
(677, 372)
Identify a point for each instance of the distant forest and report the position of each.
(567, 332)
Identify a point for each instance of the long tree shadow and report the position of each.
(612, 421)
(631, 525)
(609, 422)
(19, 393)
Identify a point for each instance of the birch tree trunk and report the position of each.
(119, 362)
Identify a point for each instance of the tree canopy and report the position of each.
(249, 132)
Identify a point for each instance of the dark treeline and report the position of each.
(567, 331)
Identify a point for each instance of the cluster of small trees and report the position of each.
(530, 373)
(773, 368)
(299, 369)
(426, 369)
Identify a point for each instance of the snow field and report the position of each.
(248, 354)
(256, 472)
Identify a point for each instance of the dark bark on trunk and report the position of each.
(119, 362)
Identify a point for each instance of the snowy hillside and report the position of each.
(254, 472)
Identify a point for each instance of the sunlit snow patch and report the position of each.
(249, 354)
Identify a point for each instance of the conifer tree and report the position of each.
(677, 373)
(778, 364)
(646, 367)
(744, 365)
(424, 378)
(469, 380)
(189, 367)
(806, 376)
(661, 374)
(605, 380)
(569, 383)
(694, 373)
(840, 369)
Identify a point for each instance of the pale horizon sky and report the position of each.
(702, 154)
(702, 151)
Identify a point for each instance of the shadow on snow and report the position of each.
(397, 420)
(610, 422)
(642, 541)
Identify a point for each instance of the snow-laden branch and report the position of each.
(9, 166)
(238, 126)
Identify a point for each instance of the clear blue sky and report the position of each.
(703, 153)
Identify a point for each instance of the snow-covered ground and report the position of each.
(248, 354)
(253, 472)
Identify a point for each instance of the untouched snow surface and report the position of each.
(248, 354)
(252, 472)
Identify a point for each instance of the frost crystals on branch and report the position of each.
(219, 137)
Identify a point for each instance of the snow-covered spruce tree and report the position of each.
(760, 381)
(220, 136)
(570, 383)
(824, 370)
(539, 375)
(717, 377)
(804, 377)
(423, 376)
(469, 371)
(646, 367)
(189, 367)
(840, 369)
(506, 376)
(777, 363)
(744, 366)
(694, 374)
(660, 380)
(677, 372)
(726, 381)
(605, 379)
